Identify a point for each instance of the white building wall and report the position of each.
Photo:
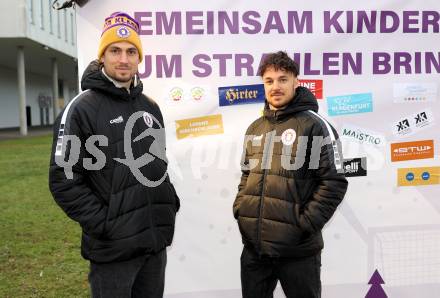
(35, 85)
(13, 16)
(8, 98)
(35, 19)
(53, 28)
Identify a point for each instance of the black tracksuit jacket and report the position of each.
(280, 209)
(120, 217)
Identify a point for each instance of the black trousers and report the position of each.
(299, 278)
(140, 277)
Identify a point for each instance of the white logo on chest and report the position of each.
(117, 120)
(288, 137)
(148, 120)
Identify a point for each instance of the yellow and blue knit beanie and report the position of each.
(119, 27)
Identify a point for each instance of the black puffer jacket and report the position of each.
(120, 217)
(289, 190)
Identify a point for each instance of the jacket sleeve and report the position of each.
(244, 177)
(239, 197)
(69, 186)
(330, 182)
(176, 197)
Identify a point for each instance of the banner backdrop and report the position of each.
(374, 67)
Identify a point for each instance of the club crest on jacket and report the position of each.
(148, 120)
(288, 136)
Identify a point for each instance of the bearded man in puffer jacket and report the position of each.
(292, 182)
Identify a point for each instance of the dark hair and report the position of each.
(278, 60)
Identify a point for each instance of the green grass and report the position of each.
(39, 244)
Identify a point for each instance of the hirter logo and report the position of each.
(245, 94)
(355, 167)
(412, 150)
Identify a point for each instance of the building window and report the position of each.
(41, 14)
(65, 25)
(72, 29)
(50, 17)
(58, 24)
(31, 11)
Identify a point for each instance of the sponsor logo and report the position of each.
(147, 119)
(418, 176)
(363, 136)
(355, 167)
(176, 94)
(245, 94)
(415, 92)
(426, 176)
(197, 93)
(121, 20)
(412, 150)
(117, 120)
(288, 136)
(409, 176)
(123, 32)
(403, 127)
(315, 86)
(421, 119)
(201, 126)
(414, 123)
(350, 104)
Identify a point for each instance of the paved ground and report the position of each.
(14, 133)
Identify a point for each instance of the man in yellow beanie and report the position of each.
(126, 206)
(120, 34)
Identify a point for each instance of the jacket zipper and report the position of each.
(150, 211)
(296, 202)
(263, 191)
(260, 214)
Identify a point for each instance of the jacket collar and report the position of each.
(94, 78)
(303, 100)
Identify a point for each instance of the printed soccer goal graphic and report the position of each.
(405, 255)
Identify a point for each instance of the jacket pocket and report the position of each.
(243, 230)
(305, 189)
(296, 195)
